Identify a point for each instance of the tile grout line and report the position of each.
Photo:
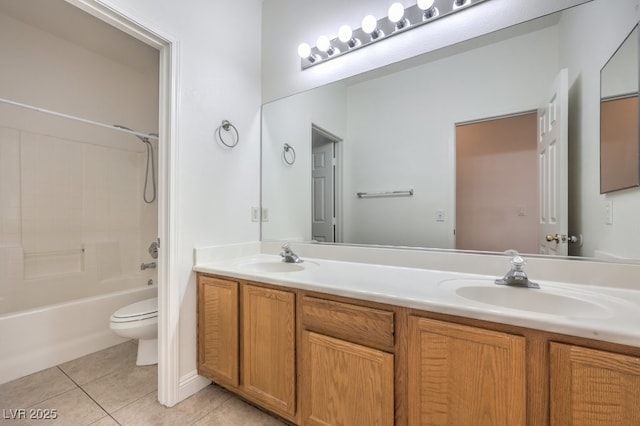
(90, 397)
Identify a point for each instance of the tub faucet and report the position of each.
(288, 255)
(150, 265)
(516, 276)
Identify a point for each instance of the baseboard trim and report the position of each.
(190, 384)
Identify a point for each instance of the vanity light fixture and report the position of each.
(372, 30)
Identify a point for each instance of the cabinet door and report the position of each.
(268, 327)
(461, 375)
(218, 329)
(591, 387)
(346, 383)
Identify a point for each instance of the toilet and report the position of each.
(139, 321)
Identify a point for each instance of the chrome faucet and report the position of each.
(516, 276)
(150, 265)
(288, 255)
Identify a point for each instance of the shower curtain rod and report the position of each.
(71, 117)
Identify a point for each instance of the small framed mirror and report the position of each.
(619, 118)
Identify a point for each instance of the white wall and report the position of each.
(288, 23)
(584, 54)
(219, 78)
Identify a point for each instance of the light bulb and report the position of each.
(369, 24)
(396, 12)
(425, 4)
(429, 10)
(323, 43)
(345, 33)
(304, 50)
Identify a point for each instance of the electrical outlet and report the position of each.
(265, 214)
(255, 214)
(440, 215)
(608, 212)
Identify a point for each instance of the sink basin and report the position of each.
(547, 300)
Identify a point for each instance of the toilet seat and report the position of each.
(145, 309)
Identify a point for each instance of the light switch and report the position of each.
(440, 215)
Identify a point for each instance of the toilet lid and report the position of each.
(137, 311)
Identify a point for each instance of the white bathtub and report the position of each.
(40, 338)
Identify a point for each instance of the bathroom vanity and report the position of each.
(329, 342)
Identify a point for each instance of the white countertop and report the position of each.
(603, 313)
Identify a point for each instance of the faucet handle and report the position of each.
(286, 250)
(518, 262)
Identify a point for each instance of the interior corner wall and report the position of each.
(586, 204)
(217, 80)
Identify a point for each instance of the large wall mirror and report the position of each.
(619, 125)
(394, 135)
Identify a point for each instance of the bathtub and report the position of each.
(35, 339)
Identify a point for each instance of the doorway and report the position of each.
(496, 184)
(169, 387)
(324, 185)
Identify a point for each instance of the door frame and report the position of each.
(169, 386)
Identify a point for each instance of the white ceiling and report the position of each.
(73, 25)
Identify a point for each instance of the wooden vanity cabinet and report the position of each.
(463, 375)
(246, 341)
(348, 364)
(218, 330)
(268, 337)
(593, 387)
(317, 359)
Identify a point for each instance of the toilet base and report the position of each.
(147, 352)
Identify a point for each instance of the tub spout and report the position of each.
(150, 265)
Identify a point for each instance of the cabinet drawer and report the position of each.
(367, 326)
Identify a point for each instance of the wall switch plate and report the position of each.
(608, 212)
(440, 215)
(265, 214)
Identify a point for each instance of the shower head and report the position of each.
(142, 138)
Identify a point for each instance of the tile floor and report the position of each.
(106, 388)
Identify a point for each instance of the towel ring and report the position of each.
(292, 154)
(227, 127)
